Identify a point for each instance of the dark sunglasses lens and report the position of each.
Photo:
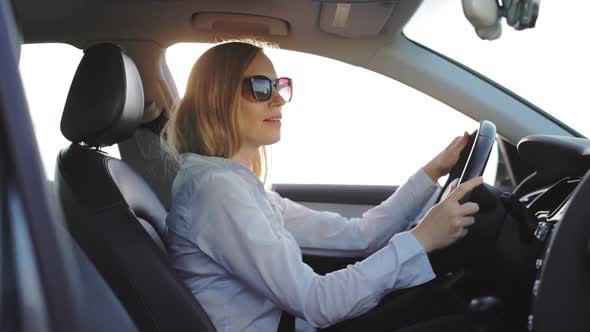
(261, 88)
(285, 88)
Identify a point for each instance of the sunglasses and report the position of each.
(260, 88)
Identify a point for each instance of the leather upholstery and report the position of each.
(105, 101)
(115, 185)
(110, 210)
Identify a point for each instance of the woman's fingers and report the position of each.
(465, 188)
(447, 221)
(462, 233)
(463, 141)
(455, 141)
(466, 221)
(459, 144)
(460, 141)
(468, 209)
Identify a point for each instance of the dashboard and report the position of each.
(520, 248)
(561, 164)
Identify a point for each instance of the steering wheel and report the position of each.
(471, 163)
(474, 157)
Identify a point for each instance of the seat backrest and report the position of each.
(110, 210)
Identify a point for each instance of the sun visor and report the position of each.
(355, 18)
(240, 23)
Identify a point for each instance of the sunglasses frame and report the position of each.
(249, 82)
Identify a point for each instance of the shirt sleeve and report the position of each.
(330, 234)
(429, 204)
(226, 223)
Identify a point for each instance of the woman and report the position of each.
(238, 247)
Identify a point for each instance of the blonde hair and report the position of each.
(206, 119)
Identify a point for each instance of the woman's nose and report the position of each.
(277, 99)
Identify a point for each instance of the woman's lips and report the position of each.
(273, 120)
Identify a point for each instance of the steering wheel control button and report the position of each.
(536, 286)
(543, 230)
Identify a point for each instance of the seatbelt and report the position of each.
(287, 323)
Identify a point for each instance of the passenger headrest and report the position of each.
(105, 102)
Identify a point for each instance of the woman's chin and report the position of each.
(273, 139)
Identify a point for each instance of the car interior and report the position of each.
(524, 266)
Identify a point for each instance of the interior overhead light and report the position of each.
(341, 15)
(355, 18)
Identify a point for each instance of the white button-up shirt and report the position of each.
(238, 248)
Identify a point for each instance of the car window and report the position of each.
(47, 71)
(347, 125)
(547, 65)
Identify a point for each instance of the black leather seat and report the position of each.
(110, 210)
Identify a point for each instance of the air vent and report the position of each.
(240, 24)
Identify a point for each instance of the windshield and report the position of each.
(547, 65)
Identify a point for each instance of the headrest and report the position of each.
(105, 102)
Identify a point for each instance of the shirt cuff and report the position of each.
(421, 188)
(423, 179)
(417, 269)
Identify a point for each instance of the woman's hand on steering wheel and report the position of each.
(442, 164)
(446, 221)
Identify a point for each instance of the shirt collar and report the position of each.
(190, 159)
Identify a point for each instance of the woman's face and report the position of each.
(260, 122)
